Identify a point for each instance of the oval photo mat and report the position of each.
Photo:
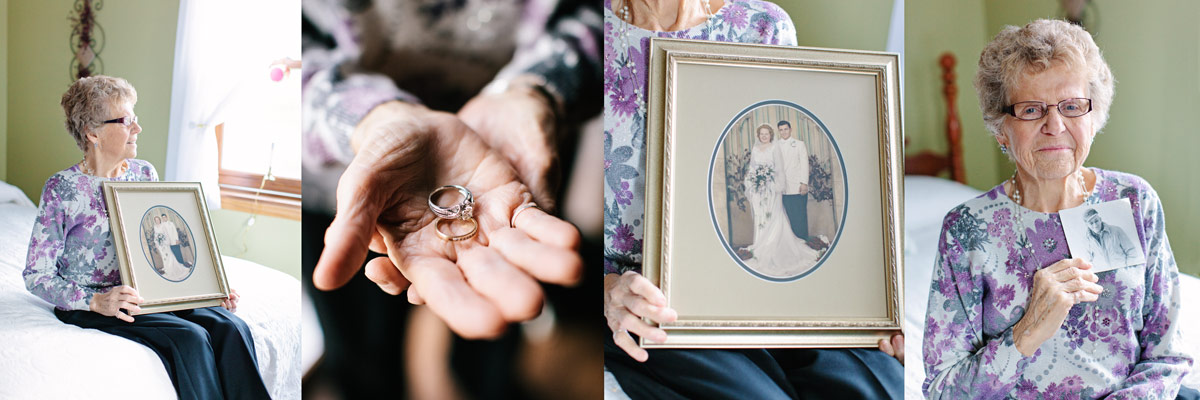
(732, 212)
(153, 258)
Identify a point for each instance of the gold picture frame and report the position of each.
(851, 296)
(165, 244)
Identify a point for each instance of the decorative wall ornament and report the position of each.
(87, 40)
(1076, 11)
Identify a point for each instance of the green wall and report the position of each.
(931, 28)
(823, 23)
(3, 89)
(43, 146)
(1152, 49)
(271, 241)
(140, 47)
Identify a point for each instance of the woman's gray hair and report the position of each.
(1036, 47)
(89, 100)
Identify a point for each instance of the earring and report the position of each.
(1004, 149)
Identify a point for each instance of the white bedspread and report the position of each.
(43, 358)
(927, 200)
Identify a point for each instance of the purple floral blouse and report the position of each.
(1126, 345)
(626, 53)
(71, 254)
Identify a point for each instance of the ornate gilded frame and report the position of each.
(117, 194)
(663, 238)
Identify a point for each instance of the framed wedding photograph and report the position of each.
(165, 244)
(773, 194)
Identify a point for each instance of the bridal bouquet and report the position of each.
(763, 176)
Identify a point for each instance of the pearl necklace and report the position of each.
(624, 32)
(628, 21)
(1016, 197)
(87, 170)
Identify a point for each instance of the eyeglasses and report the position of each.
(1035, 110)
(123, 120)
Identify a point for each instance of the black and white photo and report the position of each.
(1103, 234)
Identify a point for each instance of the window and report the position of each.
(261, 136)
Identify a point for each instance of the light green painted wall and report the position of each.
(821, 23)
(271, 241)
(140, 47)
(931, 28)
(1153, 48)
(3, 89)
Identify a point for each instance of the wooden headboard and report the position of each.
(928, 162)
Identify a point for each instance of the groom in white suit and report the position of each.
(795, 169)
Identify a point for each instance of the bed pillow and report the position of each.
(926, 202)
(11, 194)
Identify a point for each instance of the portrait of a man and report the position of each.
(795, 192)
(1103, 234)
(1108, 244)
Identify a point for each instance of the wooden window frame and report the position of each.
(239, 190)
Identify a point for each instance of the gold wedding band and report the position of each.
(512, 222)
(474, 228)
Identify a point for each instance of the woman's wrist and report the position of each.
(1021, 340)
(91, 301)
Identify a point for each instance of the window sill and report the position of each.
(239, 199)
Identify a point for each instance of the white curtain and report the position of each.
(221, 48)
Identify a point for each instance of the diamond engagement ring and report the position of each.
(463, 209)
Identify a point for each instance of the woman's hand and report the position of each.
(231, 302)
(478, 285)
(894, 347)
(628, 298)
(1056, 289)
(120, 297)
(520, 125)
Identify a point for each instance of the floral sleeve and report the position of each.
(46, 244)
(565, 55)
(1162, 362)
(786, 32)
(336, 95)
(961, 361)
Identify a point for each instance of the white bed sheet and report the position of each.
(926, 202)
(43, 358)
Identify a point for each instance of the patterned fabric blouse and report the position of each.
(361, 53)
(71, 253)
(625, 67)
(1126, 345)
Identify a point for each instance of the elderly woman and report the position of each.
(628, 296)
(1013, 312)
(208, 352)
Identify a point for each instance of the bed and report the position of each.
(927, 199)
(43, 358)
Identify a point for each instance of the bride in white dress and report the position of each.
(777, 252)
(172, 269)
